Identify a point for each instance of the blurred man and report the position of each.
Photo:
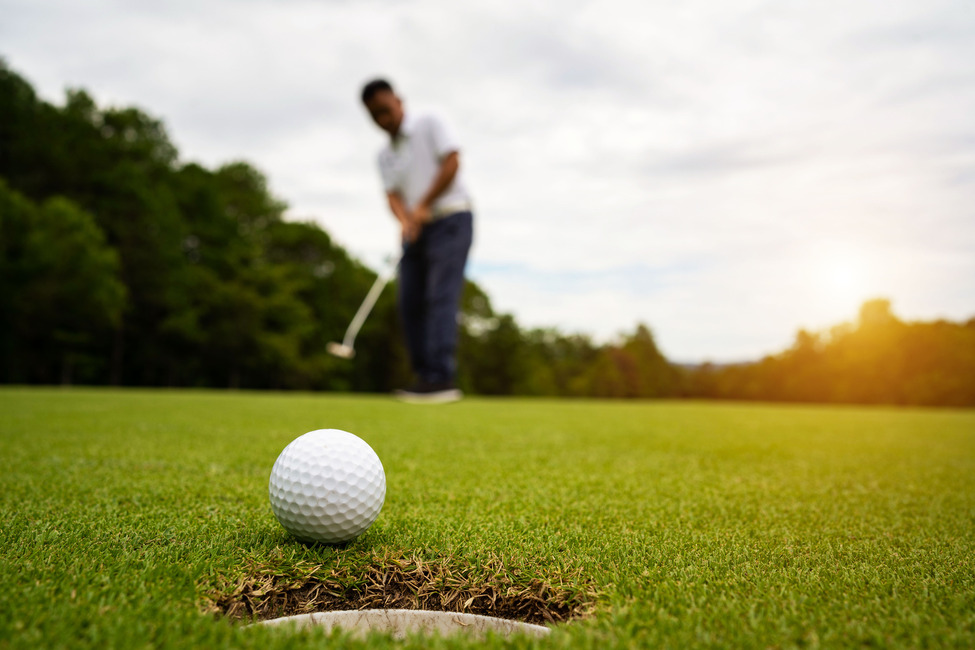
(420, 173)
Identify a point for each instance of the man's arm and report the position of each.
(445, 176)
(411, 229)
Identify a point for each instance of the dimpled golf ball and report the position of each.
(327, 486)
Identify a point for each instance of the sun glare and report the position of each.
(842, 276)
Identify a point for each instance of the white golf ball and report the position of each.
(327, 486)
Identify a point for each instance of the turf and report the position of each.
(695, 524)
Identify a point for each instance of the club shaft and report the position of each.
(370, 301)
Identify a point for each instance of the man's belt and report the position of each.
(442, 211)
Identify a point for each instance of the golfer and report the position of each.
(420, 169)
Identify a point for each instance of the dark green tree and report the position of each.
(62, 291)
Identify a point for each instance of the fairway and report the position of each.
(682, 524)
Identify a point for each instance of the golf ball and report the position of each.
(327, 486)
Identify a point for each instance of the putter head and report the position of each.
(339, 350)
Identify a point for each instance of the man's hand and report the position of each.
(421, 214)
(414, 220)
(411, 229)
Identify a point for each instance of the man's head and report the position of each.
(383, 105)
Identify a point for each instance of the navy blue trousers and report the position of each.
(431, 281)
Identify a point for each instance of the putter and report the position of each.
(346, 349)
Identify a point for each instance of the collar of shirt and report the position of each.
(406, 128)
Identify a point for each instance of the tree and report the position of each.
(491, 346)
(654, 376)
(62, 287)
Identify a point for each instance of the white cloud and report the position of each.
(688, 165)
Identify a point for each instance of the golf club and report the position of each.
(346, 349)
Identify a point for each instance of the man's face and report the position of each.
(386, 110)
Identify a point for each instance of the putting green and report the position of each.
(681, 524)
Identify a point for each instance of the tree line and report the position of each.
(121, 265)
(878, 359)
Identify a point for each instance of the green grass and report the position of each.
(709, 525)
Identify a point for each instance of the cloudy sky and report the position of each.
(725, 171)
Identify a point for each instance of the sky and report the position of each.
(724, 171)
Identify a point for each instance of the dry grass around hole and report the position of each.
(396, 581)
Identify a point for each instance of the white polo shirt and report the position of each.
(409, 164)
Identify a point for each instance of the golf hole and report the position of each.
(402, 594)
(402, 622)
